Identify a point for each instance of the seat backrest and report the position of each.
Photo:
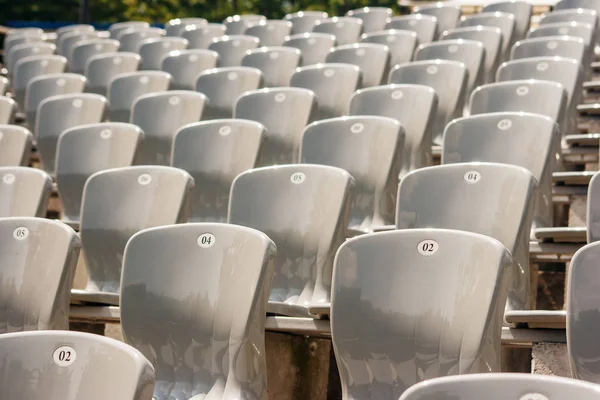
(270, 32)
(131, 38)
(304, 21)
(332, 84)
(284, 112)
(38, 257)
(314, 46)
(223, 86)
(304, 209)
(400, 43)
(486, 198)
(447, 78)
(124, 89)
(30, 49)
(184, 66)
(414, 106)
(177, 26)
(64, 31)
(200, 37)
(593, 210)
(520, 10)
(347, 30)
(425, 26)
(153, 50)
(502, 386)
(531, 141)
(447, 14)
(57, 113)
(66, 42)
(222, 310)
(102, 68)
(15, 145)
(401, 287)
(30, 67)
(8, 109)
(62, 365)
(370, 149)
(160, 115)
(496, 19)
(84, 150)
(4, 85)
(214, 153)
(118, 27)
(550, 46)
(237, 24)
(469, 52)
(372, 59)
(25, 192)
(584, 15)
(232, 49)
(570, 4)
(277, 64)
(577, 29)
(16, 40)
(119, 202)
(373, 18)
(85, 49)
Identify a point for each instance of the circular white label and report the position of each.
(312, 41)
(390, 39)
(77, 103)
(235, 43)
(360, 52)
(533, 396)
(64, 356)
(144, 80)
(279, 97)
(60, 82)
(21, 233)
(144, 179)
(328, 73)
(552, 45)
(173, 100)
(432, 69)
(397, 94)
(44, 63)
(357, 128)
(542, 66)
(522, 90)
(193, 57)
(563, 31)
(472, 177)
(274, 56)
(427, 247)
(298, 177)
(452, 48)
(224, 130)
(105, 133)
(504, 124)
(117, 60)
(206, 240)
(8, 179)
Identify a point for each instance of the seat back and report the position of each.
(576, 29)
(402, 286)
(222, 311)
(30, 67)
(124, 89)
(584, 15)
(550, 46)
(153, 50)
(38, 257)
(19, 52)
(304, 21)
(102, 68)
(569, 4)
(147, 196)
(4, 85)
(496, 19)
(372, 59)
(593, 210)
(118, 27)
(200, 37)
(425, 26)
(72, 365)
(85, 49)
(25, 192)
(373, 18)
(184, 66)
(270, 32)
(177, 26)
(447, 14)
(400, 43)
(237, 24)
(11, 41)
(370, 149)
(8, 109)
(277, 64)
(232, 49)
(314, 46)
(84, 150)
(131, 38)
(15, 145)
(520, 10)
(66, 42)
(414, 106)
(347, 30)
(486, 198)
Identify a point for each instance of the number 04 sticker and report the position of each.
(427, 247)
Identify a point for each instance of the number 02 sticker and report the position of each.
(427, 247)
(64, 356)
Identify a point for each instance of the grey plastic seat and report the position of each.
(373, 18)
(386, 281)
(372, 59)
(520, 10)
(45, 86)
(153, 50)
(102, 68)
(446, 13)
(550, 46)
(447, 78)
(425, 26)
(65, 44)
(400, 43)
(531, 141)
(24, 50)
(370, 149)
(200, 37)
(486, 198)
(332, 84)
(284, 112)
(8, 110)
(564, 71)
(414, 106)
(124, 89)
(576, 29)
(177, 26)
(468, 52)
(277, 64)
(31, 67)
(11, 41)
(221, 316)
(63, 365)
(38, 257)
(237, 24)
(593, 211)
(147, 196)
(130, 39)
(214, 153)
(347, 30)
(314, 46)
(490, 38)
(84, 50)
(232, 49)
(501, 386)
(184, 66)
(569, 4)
(270, 32)
(304, 209)
(15, 145)
(304, 21)
(74, 28)
(223, 86)
(86, 149)
(25, 192)
(117, 28)
(584, 15)
(501, 20)
(4, 85)
(160, 115)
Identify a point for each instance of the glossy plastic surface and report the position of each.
(593, 210)
(102, 68)
(31, 49)
(232, 49)
(8, 109)
(85, 49)
(124, 89)
(550, 46)
(520, 10)
(131, 38)
(270, 32)
(184, 66)
(314, 46)
(24, 192)
(201, 37)
(30, 67)
(153, 50)
(177, 26)
(347, 30)
(400, 43)
(372, 59)
(15, 145)
(277, 64)
(425, 26)
(118, 27)
(501, 20)
(373, 18)
(447, 14)
(304, 21)
(237, 24)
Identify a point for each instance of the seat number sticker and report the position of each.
(64, 356)
(472, 177)
(427, 247)
(206, 240)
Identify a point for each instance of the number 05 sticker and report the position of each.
(64, 356)
(427, 247)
